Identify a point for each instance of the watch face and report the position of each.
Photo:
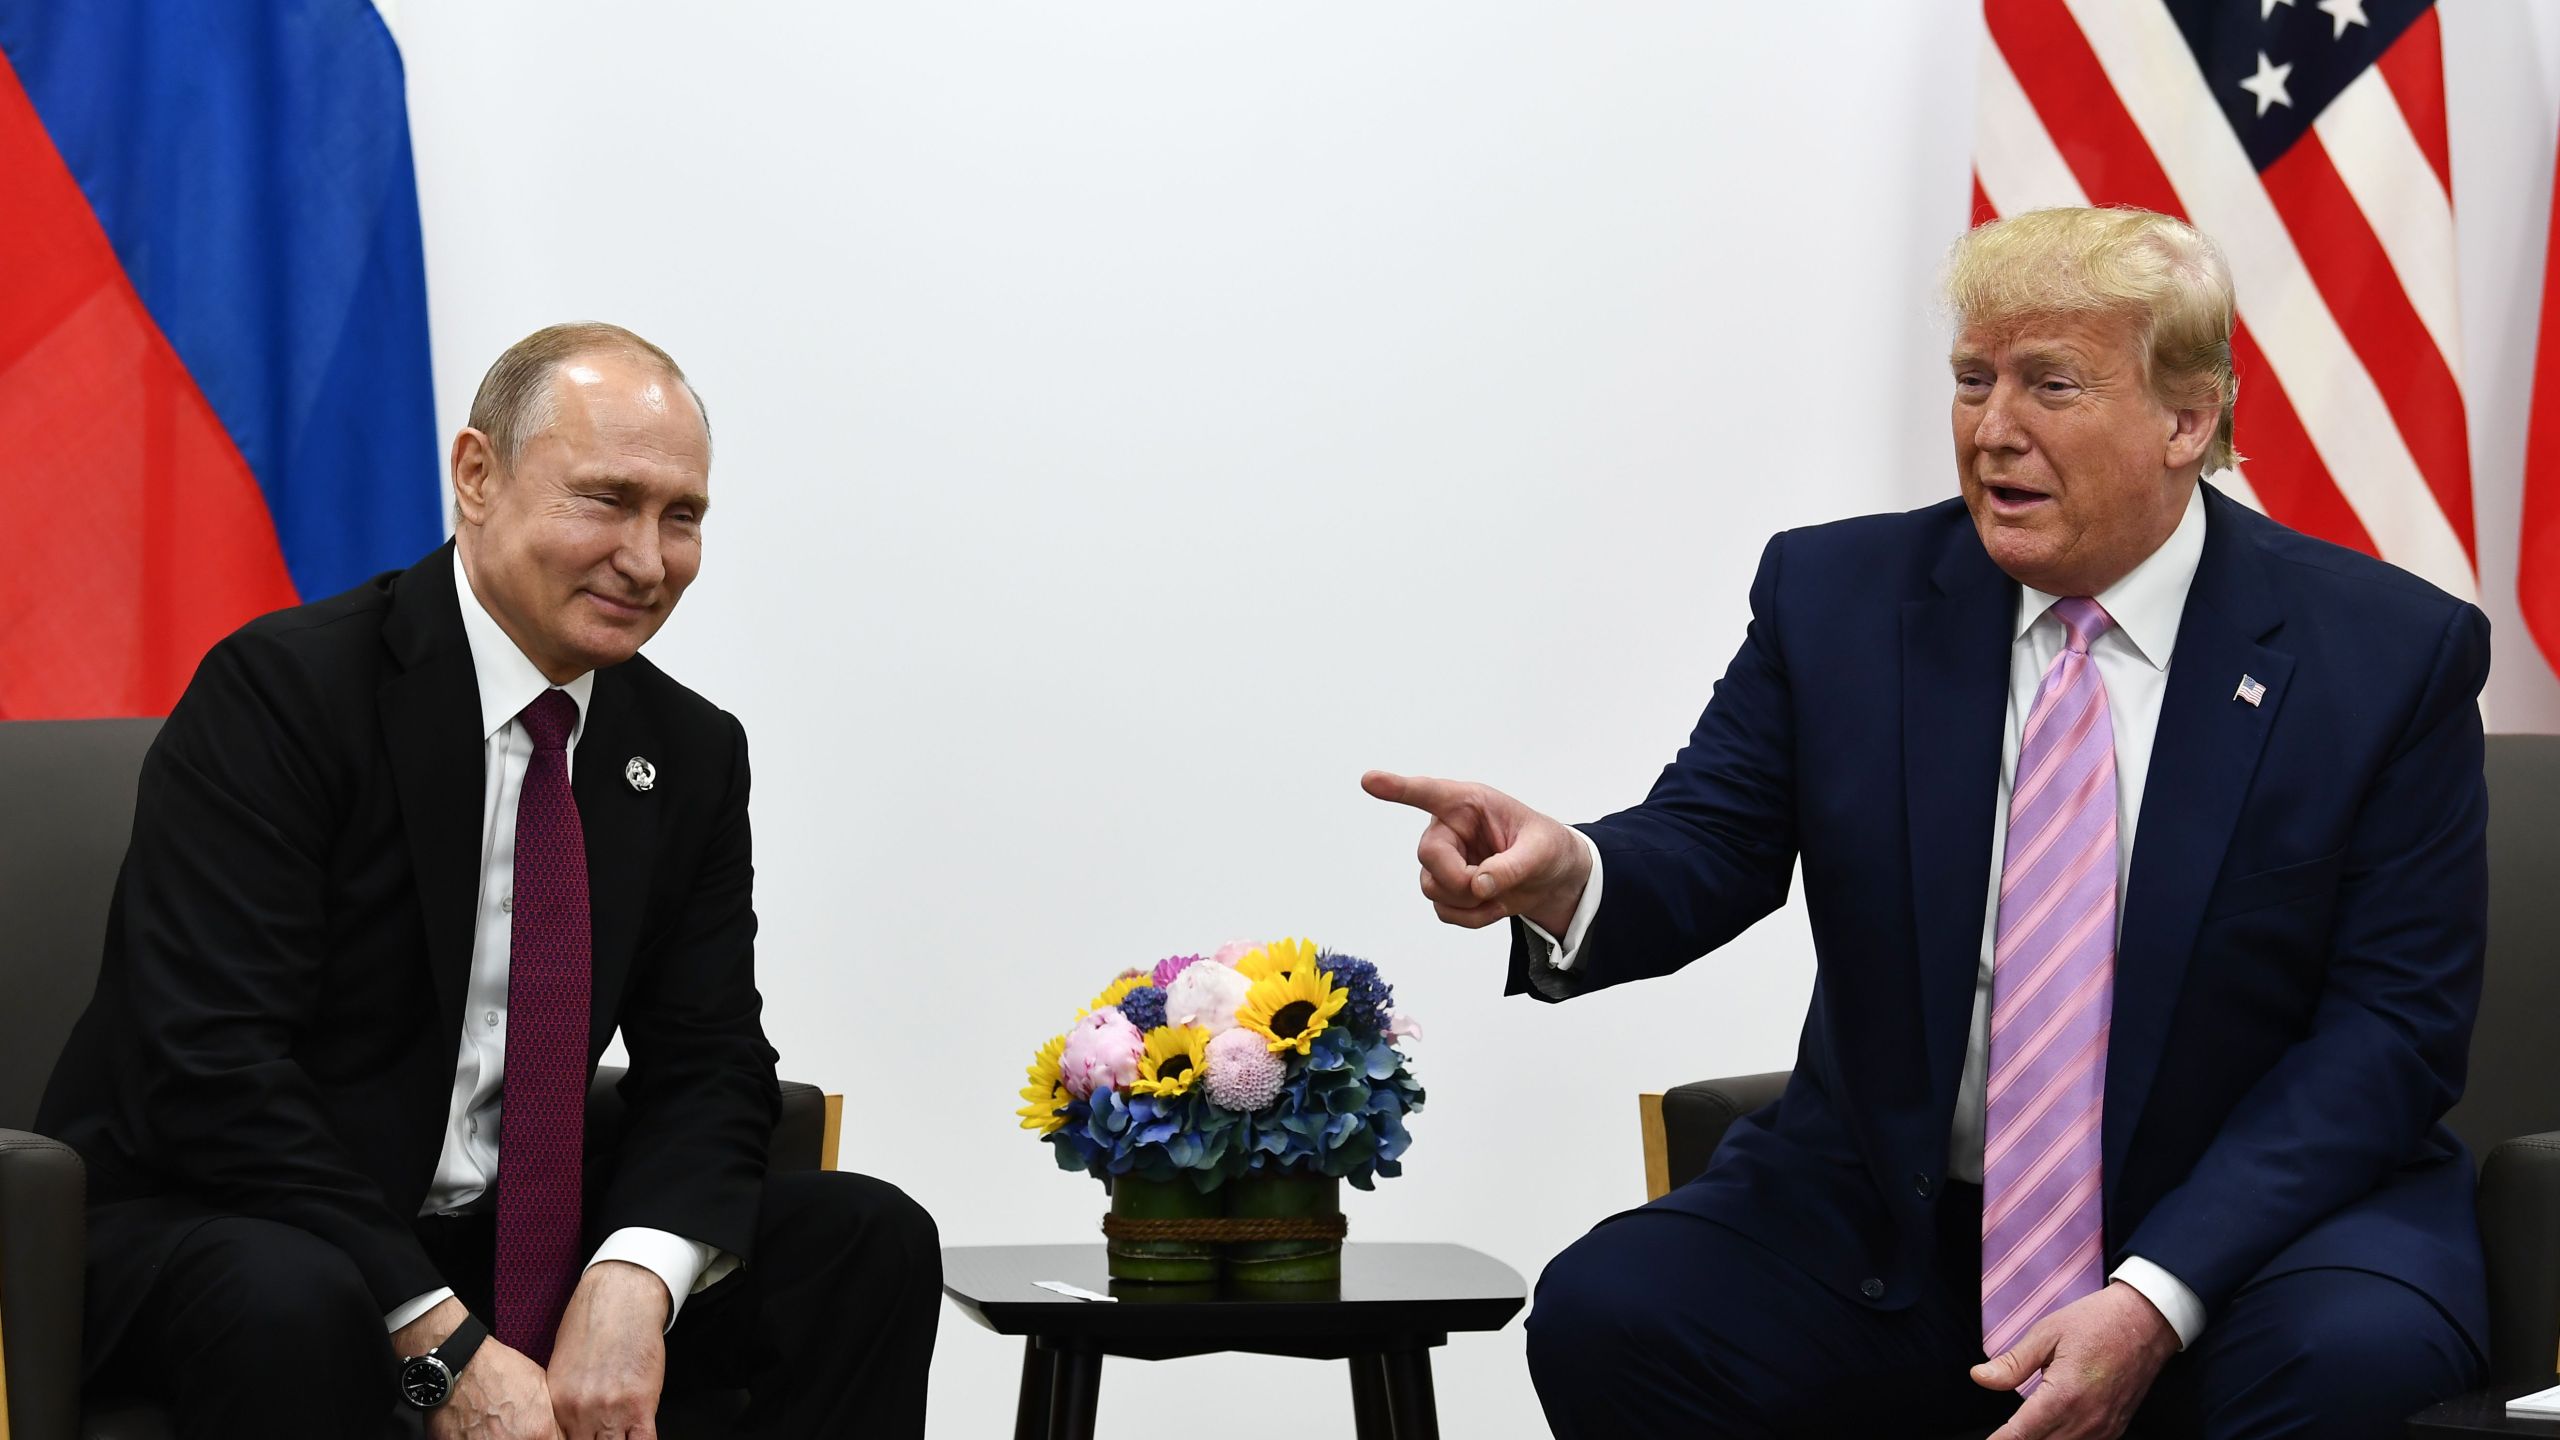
(424, 1382)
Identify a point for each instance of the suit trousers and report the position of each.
(257, 1328)
(1661, 1323)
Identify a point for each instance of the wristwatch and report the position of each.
(426, 1381)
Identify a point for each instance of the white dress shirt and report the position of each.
(468, 1166)
(2133, 662)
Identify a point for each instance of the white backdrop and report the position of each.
(1135, 420)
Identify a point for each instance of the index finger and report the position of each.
(1419, 791)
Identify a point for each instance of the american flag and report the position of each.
(2307, 137)
(2538, 566)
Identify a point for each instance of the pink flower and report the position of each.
(1402, 1027)
(1242, 1073)
(1233, 951)
(1205, 994)
(1171, 966)
(1103, 1052)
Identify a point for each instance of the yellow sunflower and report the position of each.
(1291, 1010)
(1047, 1091)
(1174, 1058)
(1118, 990)
(1280, 958)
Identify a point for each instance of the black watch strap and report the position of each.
(456, 1351)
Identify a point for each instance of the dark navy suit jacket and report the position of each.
(2302, 930)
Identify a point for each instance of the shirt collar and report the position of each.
(508, 681)
(2148, 602)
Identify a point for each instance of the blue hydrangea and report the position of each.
(1144, 1007)
(1371, 996)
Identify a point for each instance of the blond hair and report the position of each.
(517, 400)
(2158, 272)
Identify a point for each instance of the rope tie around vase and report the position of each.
(1221, 1230)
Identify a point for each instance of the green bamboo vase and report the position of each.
(1284, 1262)
(1193, 1262)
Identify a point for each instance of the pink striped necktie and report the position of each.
(2052, 989)
(543, 1104)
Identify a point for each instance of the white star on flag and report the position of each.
(2268, 85)
(2268, 7)
(2345, 13)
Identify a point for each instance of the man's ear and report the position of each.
(476, 476)
(2190, 433)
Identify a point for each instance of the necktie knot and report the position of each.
(2083, 621)
(549, 719)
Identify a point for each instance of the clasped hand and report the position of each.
(608, 1363)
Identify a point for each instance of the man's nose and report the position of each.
(639, 559)
(1996, 427)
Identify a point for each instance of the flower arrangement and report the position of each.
(1259, 1060)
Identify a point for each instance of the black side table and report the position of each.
(1395, 1303)
(2482, 1412)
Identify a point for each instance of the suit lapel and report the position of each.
(431, 723)
(1955, 688)
(620, 822)
(2202, 758)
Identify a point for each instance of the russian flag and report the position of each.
(214, 394)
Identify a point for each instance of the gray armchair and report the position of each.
(68, 808)
(2509, 1115)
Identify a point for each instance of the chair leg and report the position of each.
(1409, 1397)
(1078, 1396)
(1039, 1377)
(1369, 1417)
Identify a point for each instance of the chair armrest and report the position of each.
(2520, 1230)
(1684, 1125)
(43, 1191)
(801, 1133)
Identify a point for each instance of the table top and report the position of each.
(2483, 1412)
(1385, 1290)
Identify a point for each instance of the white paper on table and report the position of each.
(1075, 1292)
(2540, 1402)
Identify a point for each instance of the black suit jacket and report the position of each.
(278, 1015)
(2299, 964)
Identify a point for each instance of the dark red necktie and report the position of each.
(544, 1102)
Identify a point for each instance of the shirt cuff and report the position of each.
(409, 1312)
(1561, 953)
(2168, 1294)
(686, 1266)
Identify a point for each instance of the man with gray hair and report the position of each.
(403, 861)
(2077, 1131)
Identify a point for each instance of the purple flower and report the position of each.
(1371, 996)
(1171, 966)
(1144, 1007)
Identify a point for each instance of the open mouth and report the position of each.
(2011, 497)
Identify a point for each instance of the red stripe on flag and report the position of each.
(2538, 564)
(2281, 463)
(150, 539)
(2089, 125)
(2353, 274)
(2077, 103)
(2413, 70)
(1982, 208)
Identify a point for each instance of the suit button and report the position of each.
(1872, 1288)
(1920, 1185)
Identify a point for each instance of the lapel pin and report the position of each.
(2250, 690)
(642, 774)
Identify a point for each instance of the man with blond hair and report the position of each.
(2142, 841)
(403, 862)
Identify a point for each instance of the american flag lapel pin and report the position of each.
(2250, 690)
